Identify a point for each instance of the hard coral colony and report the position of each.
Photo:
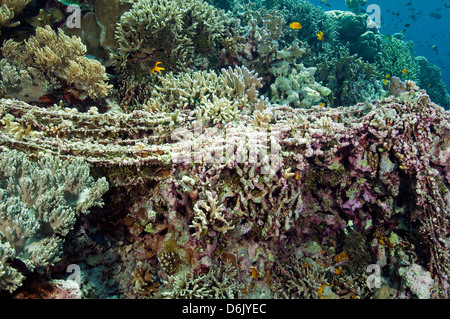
(264, 162)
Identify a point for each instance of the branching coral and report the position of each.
(39, 205)
(296, 87)
(209, 214)
(350, 79)
(236, 87)
(300, 281)
(217, 111)
(51, 54)
(396, 56)
(180, 34)
(219, 283)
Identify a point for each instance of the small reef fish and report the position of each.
(151, 65)
(295, 25)
(156, 68)
(320, 36)
(435, 15)
(435, 49)
(385, 82)
(387, 38)
(405, 71)
(326, 4)
(388, 76)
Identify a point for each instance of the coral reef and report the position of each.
(223, 155)
(322, 172)
(39, 205)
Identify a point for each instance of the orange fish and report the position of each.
(156, 68)
(405, 71)
(295, 25)
(320, 36)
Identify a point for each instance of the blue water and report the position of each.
(429, 25)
